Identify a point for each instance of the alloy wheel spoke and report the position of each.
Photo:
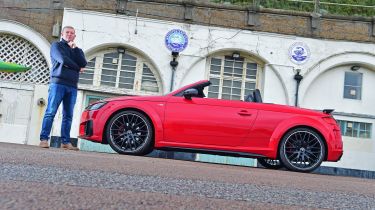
(295, 158)
(114, 139)
(309, 159)
(310, 153)
(123, 141)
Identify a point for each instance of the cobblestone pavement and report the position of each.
(34, 178)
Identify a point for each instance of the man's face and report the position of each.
(68, 34)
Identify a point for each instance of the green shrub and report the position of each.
(353, 7)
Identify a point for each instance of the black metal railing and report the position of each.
(364, 8)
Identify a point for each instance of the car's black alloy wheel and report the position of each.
(270, 163)
(302, 149)
(130, 132)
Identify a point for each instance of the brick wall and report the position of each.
(42, 14)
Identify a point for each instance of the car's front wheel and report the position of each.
(302, 149)
(270, 163)
(130, 132)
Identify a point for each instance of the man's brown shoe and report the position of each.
(69, 146)
(43, 144)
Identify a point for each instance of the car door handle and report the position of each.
(244, 113)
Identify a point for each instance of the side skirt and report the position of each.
(212, 152)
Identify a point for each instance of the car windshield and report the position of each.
(200, 87)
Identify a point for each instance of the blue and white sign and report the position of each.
(299, 53)
(176, 40)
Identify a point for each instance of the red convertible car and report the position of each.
(184, 120)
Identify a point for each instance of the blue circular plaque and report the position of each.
(176, 40)
(299, 53)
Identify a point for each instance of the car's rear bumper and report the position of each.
(335, 150)
(335, 156)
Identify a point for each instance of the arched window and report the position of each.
(113, 70)
(232, 76)
(19, 50)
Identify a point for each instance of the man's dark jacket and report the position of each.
(66, 63)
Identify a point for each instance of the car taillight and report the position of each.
(330, 120)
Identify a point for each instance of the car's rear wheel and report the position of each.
(302, 149)
(130, 132)
(270, 163)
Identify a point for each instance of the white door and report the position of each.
(15, 107)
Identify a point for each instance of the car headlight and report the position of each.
(96, 106)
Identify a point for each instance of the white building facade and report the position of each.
(127, 55)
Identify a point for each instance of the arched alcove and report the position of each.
(23, 45)
(119, 68)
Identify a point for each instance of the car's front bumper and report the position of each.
(87, 129)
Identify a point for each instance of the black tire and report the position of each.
(270, 163)
(302, 150)
(130, 132)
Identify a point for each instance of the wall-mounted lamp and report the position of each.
(121, 50)
(175, 55)
(236, 55)
(173, 62)
(355, 68)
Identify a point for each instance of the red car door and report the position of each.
(207, 121)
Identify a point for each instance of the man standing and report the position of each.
(67, 62)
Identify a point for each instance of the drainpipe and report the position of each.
(298, 77)
(173, 64)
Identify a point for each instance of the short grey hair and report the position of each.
(65, 27)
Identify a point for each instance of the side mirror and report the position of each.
(190, 93)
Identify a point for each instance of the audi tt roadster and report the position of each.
(185, 120)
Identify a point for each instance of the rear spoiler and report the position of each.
(328, 111)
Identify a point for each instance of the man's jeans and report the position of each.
(58, 93)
